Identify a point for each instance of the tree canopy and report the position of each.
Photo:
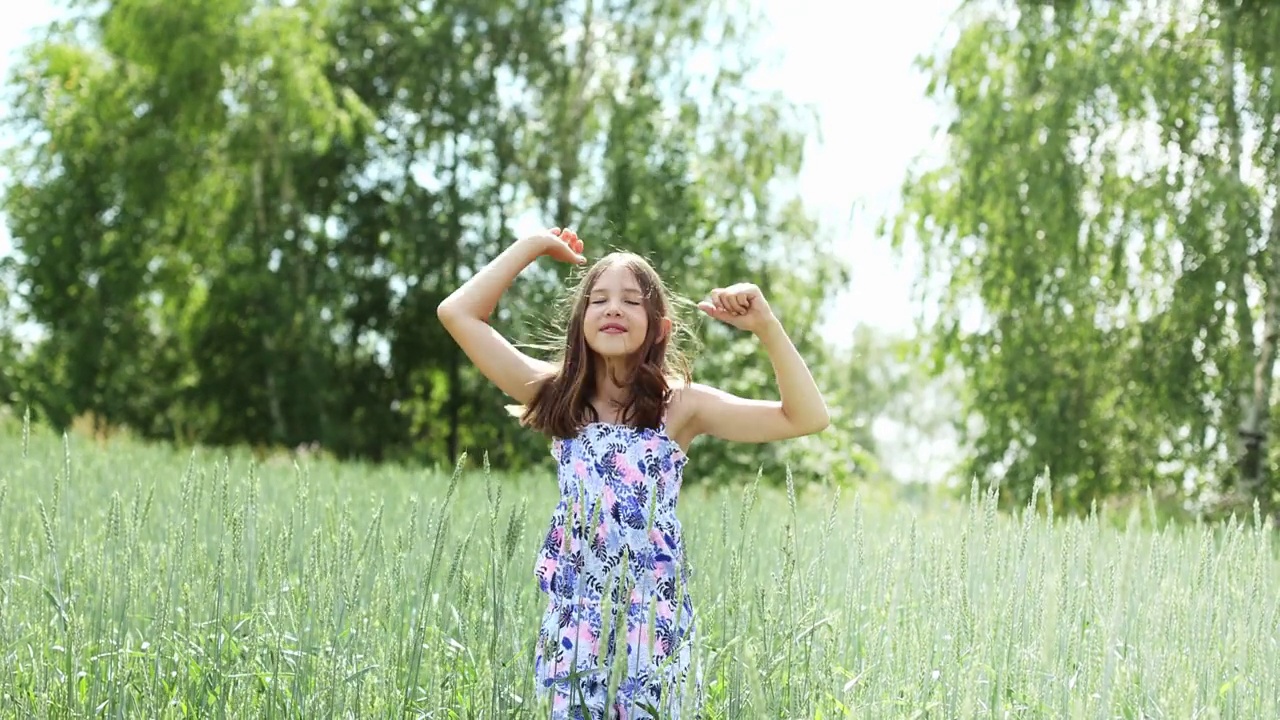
(233, 219)
(1105, 234)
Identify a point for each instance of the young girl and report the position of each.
(621, 420)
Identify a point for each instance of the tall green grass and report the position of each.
(137, 582)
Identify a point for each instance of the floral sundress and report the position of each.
(612, 565)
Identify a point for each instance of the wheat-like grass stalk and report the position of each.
(136, 581)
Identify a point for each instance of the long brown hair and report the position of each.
(562, 405)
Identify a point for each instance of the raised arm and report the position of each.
(465, 313)
(801, 409)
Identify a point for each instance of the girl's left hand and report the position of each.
(742, 306)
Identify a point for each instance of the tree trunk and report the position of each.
(267, 338)
(574, 117)
(454, 370)
(1254, 475)
(1248, 438)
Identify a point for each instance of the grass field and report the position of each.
(141, 582)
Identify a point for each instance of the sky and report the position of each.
(875, 121)
(854, 65)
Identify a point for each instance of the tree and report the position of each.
(1105, 222)
(249, 210)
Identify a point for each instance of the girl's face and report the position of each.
(616, 320)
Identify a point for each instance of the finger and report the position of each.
(555, 231)
(717, 313)
(571, 239)
(719, 301)
(565, 252)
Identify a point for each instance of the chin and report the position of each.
(614, 346)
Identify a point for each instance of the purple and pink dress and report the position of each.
(613, 567)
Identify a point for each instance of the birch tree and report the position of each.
(1105, 238)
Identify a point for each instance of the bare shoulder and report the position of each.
(682, 410)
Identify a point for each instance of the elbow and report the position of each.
(446, 312)
(811, 425)
(449, 317)
(821, 421)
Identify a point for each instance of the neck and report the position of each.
(609, 393)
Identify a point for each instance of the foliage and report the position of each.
(1105, 232)
(233, 220)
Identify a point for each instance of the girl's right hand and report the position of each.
(561, 244)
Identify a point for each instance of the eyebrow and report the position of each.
(625, 291)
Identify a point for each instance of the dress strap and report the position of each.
(666, 411)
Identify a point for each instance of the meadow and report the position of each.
(139, 581)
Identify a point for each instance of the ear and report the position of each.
(664, 329)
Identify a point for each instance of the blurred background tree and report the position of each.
(1103, 245)
(233, 219)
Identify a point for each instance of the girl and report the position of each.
(621, 419)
